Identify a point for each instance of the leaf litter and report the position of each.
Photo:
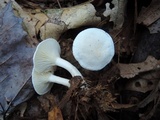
(131, 70)
(150, 16)
(102, 99)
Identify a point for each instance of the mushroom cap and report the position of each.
(93, 48)
(45, 55)
(41, 82)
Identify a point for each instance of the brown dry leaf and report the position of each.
(144, 82)
(29, 22)
(131, 70)
(59, 20)
(42, 19)
(51, 30)
(121, 106)
(63, 19)
(47, 101)
(152, 97)
(80, 15)
(150, 14)
(55, 114)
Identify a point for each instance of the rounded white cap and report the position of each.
(93, 48)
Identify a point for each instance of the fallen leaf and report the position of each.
(47, 101)
(144, 82)
(63, 19)
(80, 15)
(55, 114)
(51, 30)
(29, 23)
(3, 3)
(15, 63)
(42, 19)
(150, 14)
(133, 69)
(152, 97)
(121, 106)
(155, 27)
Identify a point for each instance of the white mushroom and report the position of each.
(47, 55)
(93, 48)
(45, 59)
(43, 82)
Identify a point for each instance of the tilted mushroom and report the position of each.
(45, 59)
(93, 48)
(43, 82)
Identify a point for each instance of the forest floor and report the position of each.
(126, 89)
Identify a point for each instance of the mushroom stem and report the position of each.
(68, 66)
(59, 80)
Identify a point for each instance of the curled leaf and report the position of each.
(68, 18)
(131, 70)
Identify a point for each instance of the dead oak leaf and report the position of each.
(131, 70)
